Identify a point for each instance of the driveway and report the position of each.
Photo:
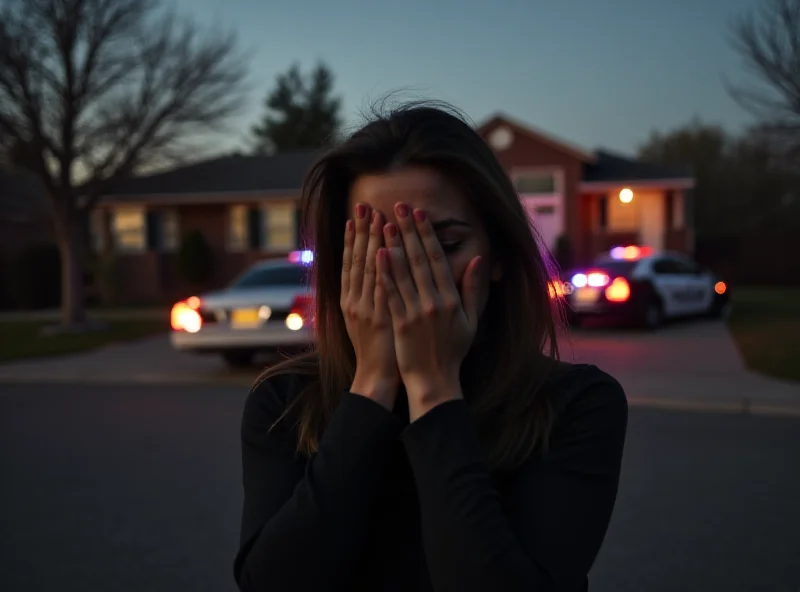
(685, 365)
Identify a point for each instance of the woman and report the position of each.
(431, 441)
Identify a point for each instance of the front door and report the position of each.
(651, 212)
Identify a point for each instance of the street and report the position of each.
(132, 488)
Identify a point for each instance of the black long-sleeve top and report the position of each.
(384, 505)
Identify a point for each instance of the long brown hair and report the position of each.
(515, 349)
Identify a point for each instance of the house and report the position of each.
(247, 207)
(594, 200)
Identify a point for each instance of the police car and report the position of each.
(266, 309)
(638, 284)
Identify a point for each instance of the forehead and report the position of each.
(419, 187)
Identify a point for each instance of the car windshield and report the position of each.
(616, 266)
(290, 275)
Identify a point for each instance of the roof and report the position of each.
(613, 167)
(538, 136)
(234, 173)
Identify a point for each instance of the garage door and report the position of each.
(547, 214)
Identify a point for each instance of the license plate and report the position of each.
(586, 295)
(245, 317)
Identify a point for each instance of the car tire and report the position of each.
(238, 358)
(719, 310)
(652, 316)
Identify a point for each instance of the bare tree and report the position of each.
(93, 90)
(768, 40)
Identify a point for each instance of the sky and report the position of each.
(598, 73)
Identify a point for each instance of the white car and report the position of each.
(266, 309)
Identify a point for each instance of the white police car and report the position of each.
(266, 309)
(638, 284)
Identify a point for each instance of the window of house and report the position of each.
(280, 227)
(238, 228)
(170, 230)
(273, 227)
(536, 183)
(162, 230)
(129, 229)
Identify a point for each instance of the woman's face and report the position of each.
(460, 231)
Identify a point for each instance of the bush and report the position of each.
(36, 278)
(195, 259)
(106, 283)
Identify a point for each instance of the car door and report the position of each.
(699, 291)
(668, 284)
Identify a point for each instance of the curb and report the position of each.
(740, 407)
(730, 407)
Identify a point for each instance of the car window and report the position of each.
(686, 267)
(294, 275)
(615, 266)
(666, 267)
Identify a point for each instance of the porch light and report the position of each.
(626, 195)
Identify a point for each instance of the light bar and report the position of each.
(303, 257)
(629, 252)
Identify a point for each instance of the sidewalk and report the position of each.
(692, 366)
(106, 314)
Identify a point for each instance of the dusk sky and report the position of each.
(594, 72)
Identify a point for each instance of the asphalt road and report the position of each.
(137, 488)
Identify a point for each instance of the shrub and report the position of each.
(36, 277)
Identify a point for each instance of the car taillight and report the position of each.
(619, 290)
(593, 279)
(720, 288)
(185, 316)
(300, 314)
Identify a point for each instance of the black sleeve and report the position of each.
(304, 521)
(547, 530)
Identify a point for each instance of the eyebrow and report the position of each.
(448, 223)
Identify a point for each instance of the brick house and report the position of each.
(247, 207)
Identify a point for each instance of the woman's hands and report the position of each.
(366, 312)
(433, 324)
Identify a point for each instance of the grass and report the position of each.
(766, 325)
(23, 338)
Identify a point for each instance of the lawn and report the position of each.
(766, 325)
(24, 339)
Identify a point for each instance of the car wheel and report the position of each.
(720, 310)
(652, 315)
(238, 358)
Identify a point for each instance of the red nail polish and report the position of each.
(402, 210)
(361, 210)
(391, 230)
(419, 215)
(349, 225)
(374, 216)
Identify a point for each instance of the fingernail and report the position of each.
(391, 230)
(374, 216)
(361, 210)
(401, 209)
(419, 215)
(349, 225)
